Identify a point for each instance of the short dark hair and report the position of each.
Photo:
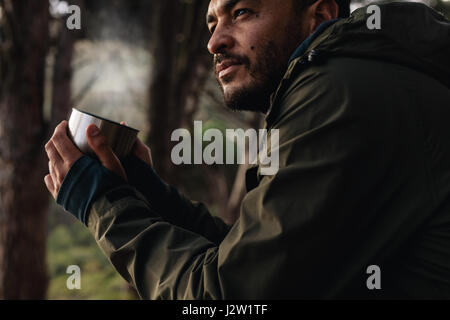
(344, 6)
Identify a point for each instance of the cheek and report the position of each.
(252, 34)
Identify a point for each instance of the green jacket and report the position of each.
(364, 179)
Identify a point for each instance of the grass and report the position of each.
(72, 244)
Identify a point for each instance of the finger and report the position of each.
(51, 170)
(123, 123)
(56, 174)
(67, 150)
(98, 143)
(49, 184)
(52, 153)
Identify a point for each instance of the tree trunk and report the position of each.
(62, 75)
(161, 95)
(180, 69)
(23, 196)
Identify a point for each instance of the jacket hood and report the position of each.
(411, 34)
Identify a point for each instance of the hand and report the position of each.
(141, 151)
(62, 154)
(98, 143)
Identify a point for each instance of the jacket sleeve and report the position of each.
(173, 206)
(301, 231)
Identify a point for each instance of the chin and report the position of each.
(246, 97)
(246, 100)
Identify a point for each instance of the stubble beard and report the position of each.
(266, 74)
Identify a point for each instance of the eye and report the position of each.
(211, 30)
(240, 12)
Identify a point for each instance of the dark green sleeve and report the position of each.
(309, 231)
(173, 206)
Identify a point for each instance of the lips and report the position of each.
(220, 67)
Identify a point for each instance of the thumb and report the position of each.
(98, 143)
(140, 150)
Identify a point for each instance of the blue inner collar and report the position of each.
(307, 42)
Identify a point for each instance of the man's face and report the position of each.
(252, 41)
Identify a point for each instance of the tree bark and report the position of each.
(62, 75)
(23, 197)
(180, 69)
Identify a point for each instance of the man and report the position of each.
(364, 178)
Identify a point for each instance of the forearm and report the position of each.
(172, 205)
(88, 179)
(160, 260)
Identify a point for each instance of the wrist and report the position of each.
(86, 180)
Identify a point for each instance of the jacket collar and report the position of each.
(301, 49)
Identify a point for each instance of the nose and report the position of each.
(221, 40)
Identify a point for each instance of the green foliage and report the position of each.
(72, 244)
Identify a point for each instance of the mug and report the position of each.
(120, 137)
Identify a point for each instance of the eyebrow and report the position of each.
(227, 6)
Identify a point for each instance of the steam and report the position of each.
(112, 70)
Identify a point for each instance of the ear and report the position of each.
(322, 11)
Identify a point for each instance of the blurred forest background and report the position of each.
(143, 62)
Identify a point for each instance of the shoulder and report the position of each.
(358, 93)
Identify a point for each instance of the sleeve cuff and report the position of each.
(86, 180)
